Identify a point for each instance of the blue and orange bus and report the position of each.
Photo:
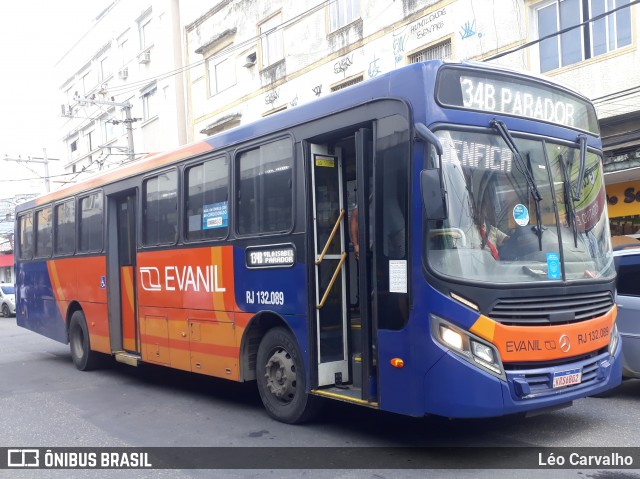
(484, 283)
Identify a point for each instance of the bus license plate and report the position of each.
(567, 378)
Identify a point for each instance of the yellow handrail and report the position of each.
(333, 233)
(333, 280)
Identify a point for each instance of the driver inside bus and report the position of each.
(491, 236)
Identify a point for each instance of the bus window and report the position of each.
(392, 162)
(206, 198)
(90, 223)
(43, 232)
(160, 225)
(265, 202)
(25, 228)
(65, 230)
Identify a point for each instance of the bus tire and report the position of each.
(83, 358)
(281, 379)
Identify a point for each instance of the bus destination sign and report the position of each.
(514, 96)
(276, 256)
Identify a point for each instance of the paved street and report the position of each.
(46, 402)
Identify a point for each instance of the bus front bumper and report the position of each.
(456, 388)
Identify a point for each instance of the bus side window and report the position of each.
(25, 229)
(43, 233)
(160, 220)
(91, 225)
(65, 228)
(265, 200)
(206, 191)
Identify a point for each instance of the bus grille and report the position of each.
(540, 381)
(546, 310)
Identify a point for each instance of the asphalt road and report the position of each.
(46, 402)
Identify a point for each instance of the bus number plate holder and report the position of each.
(567, 378)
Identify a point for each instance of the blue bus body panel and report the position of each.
(36, 307)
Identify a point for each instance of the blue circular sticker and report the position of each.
(521, 215)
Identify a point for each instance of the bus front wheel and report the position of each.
(281, 378)
(83, 358)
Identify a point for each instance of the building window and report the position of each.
(440, 51)
(125, 54)
(271, 42)
(65, 230)
(349, 82)
(105, 68)
(90, 227)
(89, 136)
(145, 30)
(265, 201)
(149, 99)
(343, 12)
(43, 232)
(160, 210)
(206, 191)
(109, 130)
(596, 38)
(73, 146)
(222, 74)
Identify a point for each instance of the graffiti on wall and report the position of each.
(374, 69)
(468, 30)
(342, 65)
(271, 97)
(317, 90)
(399, 44)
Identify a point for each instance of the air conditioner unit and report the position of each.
(123, 73)
(250, 60)
(144, 57)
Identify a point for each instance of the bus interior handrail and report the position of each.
(333, 280)
(333, 233)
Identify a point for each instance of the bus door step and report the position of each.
(127, 358)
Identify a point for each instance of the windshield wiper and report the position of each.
(568, 200)
(526, 172)
(525, 169)
(582, 141)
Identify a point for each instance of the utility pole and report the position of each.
(34, 159)
(128, 121)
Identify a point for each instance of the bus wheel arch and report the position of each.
(257, 327)
(83, 357)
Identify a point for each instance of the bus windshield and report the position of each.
(516, 219)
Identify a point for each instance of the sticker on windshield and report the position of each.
(521, 215)
(553, 266)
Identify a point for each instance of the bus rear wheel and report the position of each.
(83, 358)
(281, 379)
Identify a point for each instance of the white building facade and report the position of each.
(119, 102)
(247, 59)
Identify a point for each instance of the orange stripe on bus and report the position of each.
(545, 343)
(174, 344)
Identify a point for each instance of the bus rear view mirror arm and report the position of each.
(425, 134)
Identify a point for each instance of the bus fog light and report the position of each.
(482, 351)
(451, 338)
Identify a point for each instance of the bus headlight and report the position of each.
(467, 346)
(613, 342)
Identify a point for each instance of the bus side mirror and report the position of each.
(433, 194)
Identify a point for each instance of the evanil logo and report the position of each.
(181, 278)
